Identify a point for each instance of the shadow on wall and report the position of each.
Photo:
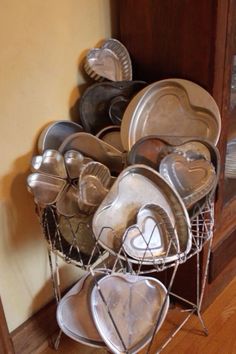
(21, 221)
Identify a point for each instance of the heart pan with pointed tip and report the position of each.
(51, 163)
(129, 298)
(174, 106)
(111, 61)
(95, 106)
(192, 179)
(136, 186)
(93, 185)
(150, 150)
(152, 236)
(74, 314)
(45, 189)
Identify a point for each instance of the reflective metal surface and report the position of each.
(91, 146)
(94, 182)
(193, 179)
(136, 186)
(74, 314)
(152, 236)
(54, 134)
(45, 189)
(74, 161)
(51, 162)
(98, 105)
(174, 106)
(111, 61)
(125, 309)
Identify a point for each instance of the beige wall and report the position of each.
(42, 44)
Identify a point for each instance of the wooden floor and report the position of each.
(220, 319)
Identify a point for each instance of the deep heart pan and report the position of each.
(111, 61)
(192, 179)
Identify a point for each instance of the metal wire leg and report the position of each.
(55, 278)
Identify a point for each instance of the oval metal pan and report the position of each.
(94, 106)
(111, 136)
(54, 134)
(136, 186)
(174, 106)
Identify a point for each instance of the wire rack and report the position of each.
(65, 240)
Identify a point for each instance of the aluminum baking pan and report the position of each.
(74, 161)
(54, 134)
(111, 136)
(74, 314)
(175, 106)
(136, 186)
(45, 189)
(51, 162)
(152, 236)
(96, 102)
(94, 181)
(150, 150)
(91, 146)
(111, 61)
(192, 179)
(135, 305)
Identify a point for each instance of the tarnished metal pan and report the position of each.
(171, 107)
(111, 136)
(93, 185)
(126, 309)
(136, 186)
(192, 179)
(74, 162)
(54, 134)
(91, 146)
(111, 61)
(97, 105)
(150, 151)
(74, 314)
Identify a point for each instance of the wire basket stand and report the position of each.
(75, 253)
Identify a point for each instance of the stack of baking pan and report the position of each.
(104, 309)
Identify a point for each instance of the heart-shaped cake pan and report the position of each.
(174, 106)
(98, 106)
(74, 161)
(111, 61)
(74, 315)
(150, 150)
(94, 182)
(135, 187)
(152, 236)
(46, 189)
(51, 162)
(191, 179)
(126, 309)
